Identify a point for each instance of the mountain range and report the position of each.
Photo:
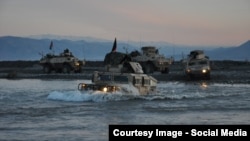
(88, 48)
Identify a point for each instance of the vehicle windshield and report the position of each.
(115, 78)
(121, 78)
(191, 63)
(203, 62)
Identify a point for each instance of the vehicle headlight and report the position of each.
(77, 64)
(105, 89)
(204, 71)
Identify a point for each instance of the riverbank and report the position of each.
(222, 71)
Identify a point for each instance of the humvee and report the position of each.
(120, 74)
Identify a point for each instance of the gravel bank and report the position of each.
(222, 72)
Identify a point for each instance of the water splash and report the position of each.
(165, 91)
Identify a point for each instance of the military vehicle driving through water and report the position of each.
(151, 60)
(65, 62)
(197, 65)
(120, 75)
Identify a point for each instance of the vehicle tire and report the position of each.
(46, 69)
(80, 70)
(66, 69)
(190, 77)
(207, 77)
(166, 71)
(59, 70)
(148, 68)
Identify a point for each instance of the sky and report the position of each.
(187, 22)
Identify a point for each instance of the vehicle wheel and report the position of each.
(59, 70)
(148, 69)
(165, 71)
(208, 77)
(190, 77)
(66, 69)
(80, 70)
(46, 69)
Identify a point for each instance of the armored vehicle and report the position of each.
(120, 75)
(64, 62)
(151, 60)
(197, 65)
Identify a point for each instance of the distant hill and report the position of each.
(32, 48)
(241, 53)
(19, 48)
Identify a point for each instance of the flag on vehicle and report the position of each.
(114, 46)
(51, 45)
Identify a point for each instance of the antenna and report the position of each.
(126, 49)
(41, 53)
(83, 53)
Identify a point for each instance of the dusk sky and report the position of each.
(188, 22)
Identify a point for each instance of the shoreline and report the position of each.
(231, 72)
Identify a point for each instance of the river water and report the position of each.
(35, 109)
